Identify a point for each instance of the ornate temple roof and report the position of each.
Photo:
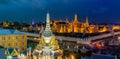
(12, 52)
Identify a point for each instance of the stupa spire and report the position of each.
(48, 45)
(47, 31)
(47, 28)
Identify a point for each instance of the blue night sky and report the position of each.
(98, 11)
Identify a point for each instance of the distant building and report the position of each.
(13, 39)
(76, 26)
(101, 56)
(2, 52)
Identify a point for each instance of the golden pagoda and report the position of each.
(75, 24)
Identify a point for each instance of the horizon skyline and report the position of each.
(83, 19)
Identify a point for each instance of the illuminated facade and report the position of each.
(13, 39)
(116, 27)
(74, 26)
(79, 27)
(48, 45)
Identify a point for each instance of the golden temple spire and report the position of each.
(86, 22)
(67, 21)
(61, 29)
(75, 18)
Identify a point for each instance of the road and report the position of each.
(79, 40)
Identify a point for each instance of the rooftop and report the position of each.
(9, 31)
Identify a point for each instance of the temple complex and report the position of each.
(74, 26)
(77, 26)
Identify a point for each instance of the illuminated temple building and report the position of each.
(78, 26)
(48, 46)
(67, 26)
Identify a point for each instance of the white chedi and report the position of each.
(45, 52)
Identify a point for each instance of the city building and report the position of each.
(13, 39)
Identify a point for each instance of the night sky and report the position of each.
(98, 11)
